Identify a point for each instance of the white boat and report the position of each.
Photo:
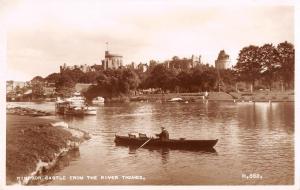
(90, 110)
(176, 100)
(75, 105)
(65, 108)
(76, 100)
(98, 100)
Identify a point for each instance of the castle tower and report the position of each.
(223, 61)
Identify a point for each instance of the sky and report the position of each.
(42, 35)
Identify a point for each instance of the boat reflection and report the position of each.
(69, 118)
(165, 153)
(165, 150)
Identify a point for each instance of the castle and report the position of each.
(223, 61)
(112, 61)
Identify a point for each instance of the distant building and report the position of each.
(12, 85)
(143, 67)
(166, 64)
(96, 67)
(131, 66)
(84, 68)
(185, 63)
(112, 61)
(223, 61)
(196, 60)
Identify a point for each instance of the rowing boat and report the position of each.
(171, 143)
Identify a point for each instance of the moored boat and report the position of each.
(182, 143)
(75, 105)
(98, 100)
(176, 100)
(61, 106)
(74, 111)
(90, 110)
(76, 100)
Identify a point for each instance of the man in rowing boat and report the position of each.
(164, 135)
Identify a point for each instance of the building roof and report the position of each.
(110, 55)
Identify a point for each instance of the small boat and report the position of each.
(98, 100)
(61, 106)
(75, 105)
(138, 99)
(181, 143)
(76, 100)
(73, 111)
(90, 110)
(176, 100)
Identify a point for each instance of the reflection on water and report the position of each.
(165, 151)
(253, 138)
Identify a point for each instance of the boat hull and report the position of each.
(172, 143)
(71, 111)
(98, 101)
(90, 112)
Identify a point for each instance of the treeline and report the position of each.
(113, 83)
(266, 64)
(199, 78)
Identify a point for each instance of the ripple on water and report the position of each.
(253, 138)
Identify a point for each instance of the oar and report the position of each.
(144, 143)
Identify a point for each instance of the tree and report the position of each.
(197, 79)
(161, 77)
(248, 67)
(37, 84)
(65, 85)
(92, 92)
(37, 79)
(18, 89)
(74, 74)
(52, 78)
(88, 77)
(209, 79)
(174, 58)
(129, 80)
(37, 90)
(270, 63)
(184, 80)
(287, 63)
(114, 83)
(228, 76)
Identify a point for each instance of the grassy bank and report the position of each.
(219, 96)
(168, 96)
(33, 140)
(26, 111)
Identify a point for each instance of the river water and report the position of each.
(256, 140)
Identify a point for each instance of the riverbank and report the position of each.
(34, 145)
(257, 96)
(287, 96)
(26, 111)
